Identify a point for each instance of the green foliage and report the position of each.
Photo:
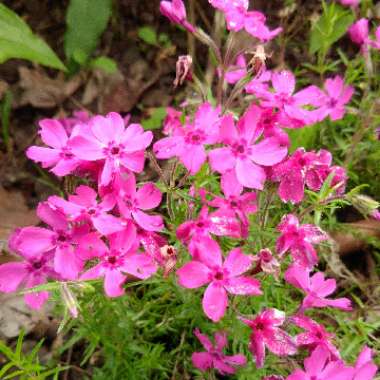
(25, 366)
(330, 27)
(86, 21)
(104, 63)
(18, 41)
(148, 35)
(155, 120)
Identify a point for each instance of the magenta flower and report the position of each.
(35, 269)
(299, 240)
(237, 71)
(188, 143)
(333, 102)
(208, 268)
(292, 106)
(267, 333)
(316, 289)
(350, 3)
(241, 204)
(119, 260)
(241, 154)
(175, 11)
(83, 206)
(133, 203)
(318, 366)
(214, 357)
(309, 169)
(359, 34)
(172, 121)
(365, 368)
(219, 223)
(59, 156)
(314, 335)
(120, 148)
(267, 263)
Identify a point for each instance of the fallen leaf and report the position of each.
(13, 213)
(41, 91)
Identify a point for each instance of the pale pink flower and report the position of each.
(59, 156)
(107, 139)
(214, 356)
(83, 206)
(242, 154)
(35, 269)
(132, 203)
(314, 335)
(365, 368)
(219, 223)
(267, 263)
(118, 261)
(223, 278)
(316, 289)
(266, 333)
(299, 240)
(175, 11)
(188, 143)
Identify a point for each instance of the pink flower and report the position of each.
(314, 335)
(350, 3)
(175, 11)
(238, 71)
(333, 102)
(219, 223)
(83, 206)
(188, 143)
(359, 34)
(299, 240)
(241, 204)
(35, 269)
(118, 147)
(316, 289)
(214, 357)
(133, 203)
(267, 333)
(270, 122)
(172, 121)
(242, 155)
(267, 263)
(118, 260)
(255, 25)
(365, 368)
(293, 113)
(208, 268)
(318, 366)
(59, 156)
(302, 169)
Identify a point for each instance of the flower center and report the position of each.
(112, 260)
(37, 265)
(115, 150)
(219, 275)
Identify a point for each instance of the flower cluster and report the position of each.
(106, 229)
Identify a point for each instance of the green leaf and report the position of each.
(86, 21)
(155, 121)
(330, 27)
(104, 63)
(18, 41)
(148, 35)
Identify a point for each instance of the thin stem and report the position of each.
(157, 168)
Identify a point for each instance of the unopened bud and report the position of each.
(169, 254)
(69, 300)
(257, 63)
(183, 70)
(364, 204)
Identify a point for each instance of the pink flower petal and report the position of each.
(193, 275)
(48, 157)
(221, 159)
(139, 265)
(237, 262)
(215, 302)
(243, 286)
(268, 152)
(148, 222)
(86, 149)
(193, 157)
(113, 281)
(134, 161)
(32, 241)
(11, 276)
(202, 360)
(52, 133)
(148, 196)
(249, 174)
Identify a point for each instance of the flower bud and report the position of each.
(183, 70)
(364, 204)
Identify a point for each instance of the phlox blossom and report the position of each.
(119, 260)
(299, 239)
(222, 277)
(266, 332)
(365, 368)
(318, 366)
(119, 148)
(214, 356)
(188, 143)
(350, 3)
(175, 11)
(242, 154)
(359, 33)
(316, 288)
(35, 269)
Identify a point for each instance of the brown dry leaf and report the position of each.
(13, 213)
(41, 91)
